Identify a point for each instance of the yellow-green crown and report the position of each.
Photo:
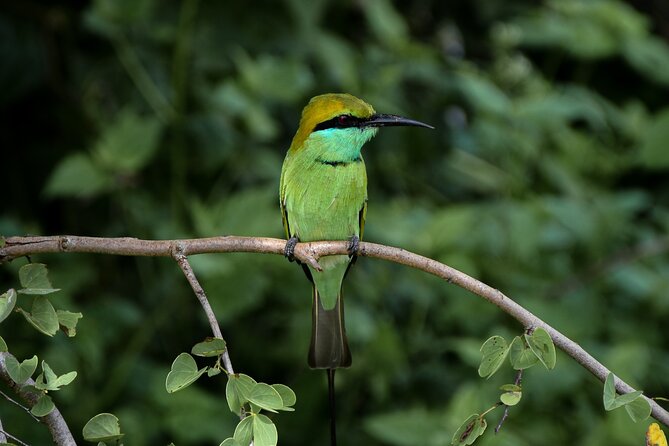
(325, 107)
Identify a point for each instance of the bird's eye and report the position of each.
(344, 120)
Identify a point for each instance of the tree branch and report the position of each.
(182, 260)
(310, 253)
(55, 422)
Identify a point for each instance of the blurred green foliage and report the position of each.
(546, 177)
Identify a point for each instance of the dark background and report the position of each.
(546, 177)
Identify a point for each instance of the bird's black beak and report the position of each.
(381, 120)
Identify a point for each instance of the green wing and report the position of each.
(282, 203)
(362, 217)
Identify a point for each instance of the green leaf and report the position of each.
(34, 279)
(611, 401)
(628, 398)
(237, 391)
(638, 410)
(520, 355)
(470, 430)
(20, 372)
(542, 346)
(511, 398)
(264, 431)
(34, 275)
(287, 396)
(210, 347)
(129, 143)
(183, 373)
(232, 395)
(609, 392)
(265, 396)
(42, 316)
(244, 431)
(494, 352)
(7, 303)
(43, 407)
(48, 373)
(49, 381)
(68, 321)
(77, 176)
(3, 345)
(213, 371)
(230, 442)
(102, 427)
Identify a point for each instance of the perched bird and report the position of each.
(323, 196)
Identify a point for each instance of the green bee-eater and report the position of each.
(323, 196)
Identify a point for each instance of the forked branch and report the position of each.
(310, 253)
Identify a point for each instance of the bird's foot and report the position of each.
(289, 250)
(353, 246)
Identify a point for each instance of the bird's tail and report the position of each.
(329, 346)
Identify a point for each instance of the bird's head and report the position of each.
(344, 111)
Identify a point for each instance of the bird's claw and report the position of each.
(353, 246)
(289, 249)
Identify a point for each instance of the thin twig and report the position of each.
(183, 263)
(54, 421)
(7, 397)
(5, 434)
(519, 378)
(310, 253)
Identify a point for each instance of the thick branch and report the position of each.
(55, 422)
(310, 253)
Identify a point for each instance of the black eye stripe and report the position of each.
(340, 122)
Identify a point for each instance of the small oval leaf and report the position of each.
(542, 346)
(613, 401)
(469, 431)
(209, 347)
(102, 427)
(266, 397)
(494, 352)
(42, 316)
(287, 396)
(7, 303)
(183, 373)
(68, 321)
(244, 431)
(34, 279)
(264, 431)
(638, 410)
(43, 407)
(20, 372)
(520, 355)
(510, 398)
(237, 390)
